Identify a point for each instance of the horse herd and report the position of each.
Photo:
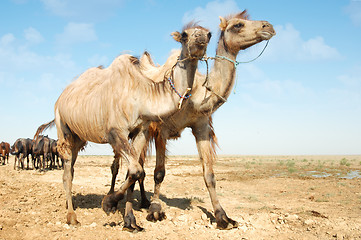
(43, 152)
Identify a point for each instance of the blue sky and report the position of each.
(303, 96)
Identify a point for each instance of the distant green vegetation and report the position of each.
(345, 162)
(291, 166)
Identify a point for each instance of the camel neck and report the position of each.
(221, 78)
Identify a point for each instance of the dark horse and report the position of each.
(22, 148)
(41, 147)
(4, 152)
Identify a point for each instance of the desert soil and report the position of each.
(272, 197)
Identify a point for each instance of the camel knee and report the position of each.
(64, 149)
(210, 180)
(136, 173)
(159, 176)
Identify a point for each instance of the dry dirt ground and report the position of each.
(272, 197)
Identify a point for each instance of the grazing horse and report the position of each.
(4, 152)
(41, 147)
(55, 154)
(22, 148)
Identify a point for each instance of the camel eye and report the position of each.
(239, 25)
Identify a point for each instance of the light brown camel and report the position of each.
(237, 33)
(115, 104)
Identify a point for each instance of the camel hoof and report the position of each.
(130, 223)
(227, 225)
(224, 222)
(156, 213)
(109, 204)
(133, 229)
(71, 219)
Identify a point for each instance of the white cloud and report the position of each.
(316, 48)
(208, 16)
(7, 39)
(289, 45)
(75, 33)
(351, 81)
(348, 94)
(58, 7)
(17, 60)
(33, 36)
(354, 11)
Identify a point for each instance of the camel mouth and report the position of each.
(201, 45)
(266, 35)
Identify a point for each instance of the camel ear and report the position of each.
(177, 36)
(223, 24)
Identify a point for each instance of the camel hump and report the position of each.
(134, 60)
(146, 60)
(155, 71)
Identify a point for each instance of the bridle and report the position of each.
(235, 62)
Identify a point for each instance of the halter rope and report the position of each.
(187, 93)
(235, 62)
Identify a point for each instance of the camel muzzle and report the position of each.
(267, 31)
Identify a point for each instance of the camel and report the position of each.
(116, 104)
(208, 94)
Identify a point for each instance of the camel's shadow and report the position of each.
(92, 201)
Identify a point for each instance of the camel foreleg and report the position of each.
(110, 201)
(130, 223)
(115, 169)
(135, 172)
(203, 134)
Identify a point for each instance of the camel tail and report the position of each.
(44, 127)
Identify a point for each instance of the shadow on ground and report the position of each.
(92, 201)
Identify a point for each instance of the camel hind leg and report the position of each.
(70, 154)
(144, 200)
(68, 147)
(155, 212)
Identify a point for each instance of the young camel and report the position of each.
(118, 103)
(208, 94)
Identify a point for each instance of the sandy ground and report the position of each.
(272, 197)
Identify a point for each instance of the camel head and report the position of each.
(239, 33)
(194, 40)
